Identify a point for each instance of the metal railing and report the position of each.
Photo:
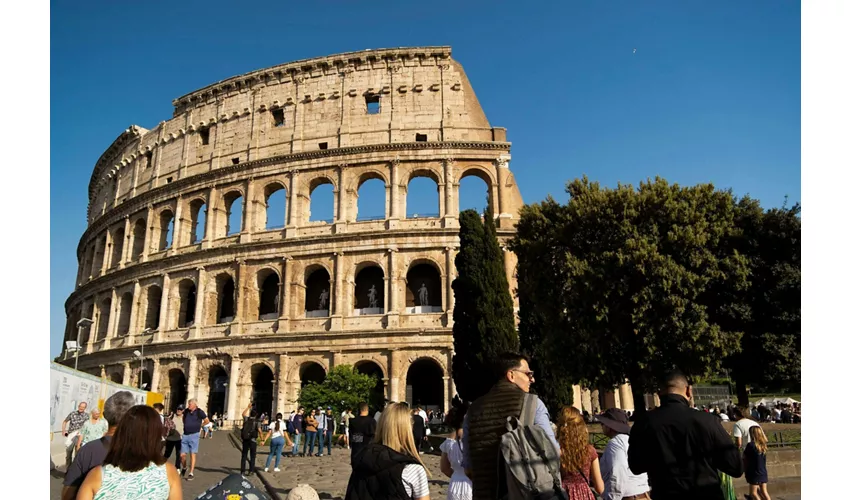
(424, 216)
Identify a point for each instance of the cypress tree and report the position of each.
(484, 323)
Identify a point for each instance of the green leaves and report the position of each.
(343, 388)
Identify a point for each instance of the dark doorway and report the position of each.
(425, 384)
(376, 395)
(312, 372)
(218, 389)
(262, 394)
(177, 391)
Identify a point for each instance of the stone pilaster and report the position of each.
(233, 412)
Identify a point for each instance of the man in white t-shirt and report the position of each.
(741, 431)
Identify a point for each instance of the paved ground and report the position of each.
(216, 460)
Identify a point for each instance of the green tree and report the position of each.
(770, 319)
(344, 387)
(484, 323)
(627, 280)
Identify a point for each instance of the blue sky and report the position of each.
(711, 94)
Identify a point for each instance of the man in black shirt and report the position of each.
(362, 430)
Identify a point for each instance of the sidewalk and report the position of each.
(217, 458)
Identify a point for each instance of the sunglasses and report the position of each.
(529, 374)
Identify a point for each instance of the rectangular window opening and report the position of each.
(421, 138)
(168, 180)
(205, 136)
(148, 160)
(323, 145)
(235, 160)
(373, 104)
(277, 116)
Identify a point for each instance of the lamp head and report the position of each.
(137, 354)
(84, 322)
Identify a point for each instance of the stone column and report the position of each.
(281, 383)
(451, 214)
(586, 404)
(286, 291)
(149, 228)
(441, 197)
(163, 308)
(125, 245)
(447, 397)
(498, 190)
(192, 389)
(125, 379)
(107, 254)
(594, 401)
(338, 290)
(292, 202)
(626, 400)
(134, 312)
(341, 198)
(394, 205)
(155, 375)
(91, 331)
(450, 272)
(233, 412)
(176, 240)
(209, 223)
(394, 369)
(241, 292)
(248, 210)
(200, 298)
(577, 397)
(112, 325)
(390, 292)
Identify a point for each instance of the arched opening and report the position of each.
(103, 319)
(473, 193)
(177, 389)
(116, 378)
(423, 196)
(376, 395)
(146, 380)
(125, 308)
(425, 384)
(198, 218)
(371, 199)
(138, 239)
(188, 298)
(166, 229)
(321, 206)
(226, 292)
(88, 261)
(423, 294)
(218, 389)
(117, 247)
(233, 207)
(86, 332)
(369, 291)
(312, 372)
(318, 296)
(154, 300)
(275, 206)
(97, 259)
(269, 286)
(262, 390)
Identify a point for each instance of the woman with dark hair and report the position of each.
(134, 467)
(276, 430)
(460, 486)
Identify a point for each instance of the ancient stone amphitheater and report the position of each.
(183, 262)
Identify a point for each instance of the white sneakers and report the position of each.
(276, 469)
(266, 469)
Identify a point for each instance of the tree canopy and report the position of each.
(344, 387)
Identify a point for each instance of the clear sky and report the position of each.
(617, 90)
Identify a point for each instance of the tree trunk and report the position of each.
(638, 396)
(741, 391)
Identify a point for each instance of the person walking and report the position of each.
(485, 424)
(346, 420)
(451, 457)
(579, 461)
(361, 430)
(682, 450)
(134, 468)
(93, 429)
(741, 430)
(755, 464)
(297, 430)
(312, 425)
(92, 454)
(418, 429)
(71, 431)
(193, 419)
(249, 434)
(174, 436)
(390, 467)
(276, 430)
(619, 481)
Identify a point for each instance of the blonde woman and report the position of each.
(390, 464)
(755, 464)
(579, 460)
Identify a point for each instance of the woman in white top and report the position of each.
(460, 486)
(741, 430)
(276, 430)
(134, 467)
(390, 461)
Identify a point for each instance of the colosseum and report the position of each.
(192, 283)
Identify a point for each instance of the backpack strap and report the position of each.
(529, 409)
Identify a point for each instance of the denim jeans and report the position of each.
(249, 448)
(321, 440)
(311, 440)
(329, 437)
(275, 449)
(296, 441)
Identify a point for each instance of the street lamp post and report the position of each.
(141, 355)
(84, 322)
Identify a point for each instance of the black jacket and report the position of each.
(376, 474)
(682, 449)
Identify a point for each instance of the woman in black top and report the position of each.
(755, 464)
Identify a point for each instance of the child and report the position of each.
(755, 464)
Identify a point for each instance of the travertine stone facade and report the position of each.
(254, 310)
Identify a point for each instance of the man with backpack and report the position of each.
(250, 433)
(528, 464)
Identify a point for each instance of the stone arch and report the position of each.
(372, 367)
(268, 294)
(311, 371)
(274, 194)
(177, 389)
(317, 291)
(482, 175)
(225, 291)
(186, 301)
(424, 383)
(312, 185)
(217, 380)
(262, 387)
(356, 211)
(369, 297)
(98, 255)
(125, 308)
(116, 377)
(117, 247)
(165, 228)
(423, 287)
(198, 210)
(104, 312)
(153, 304)
(139, 230)
(420, 208)
(231, 216)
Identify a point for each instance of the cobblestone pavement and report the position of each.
(217, 458)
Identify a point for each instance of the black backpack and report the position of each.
(249, 429)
